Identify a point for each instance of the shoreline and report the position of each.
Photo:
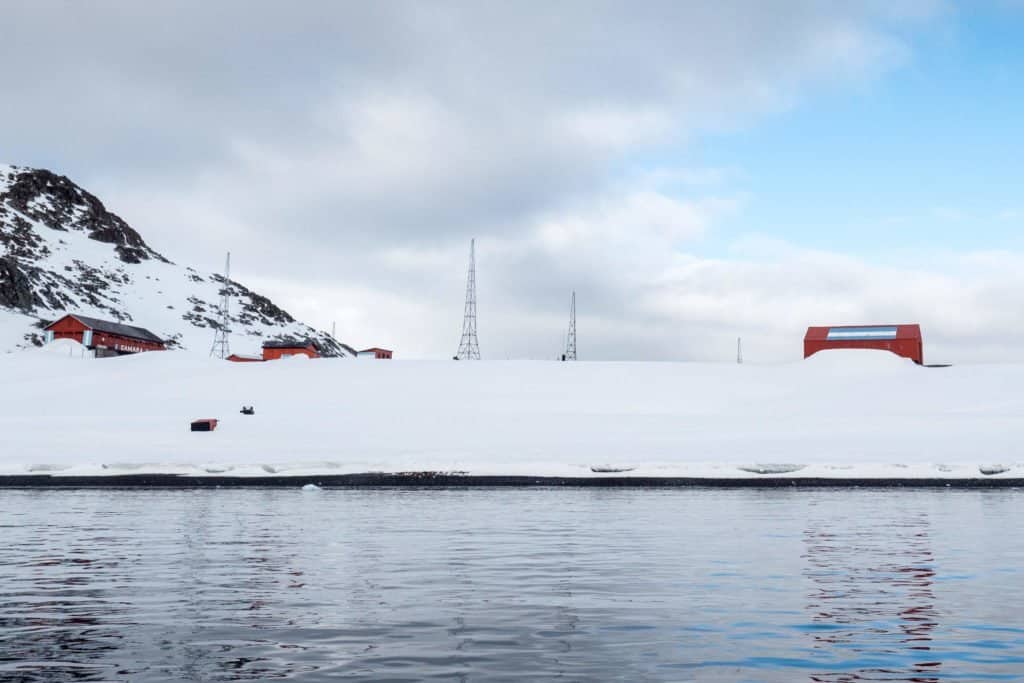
(440, 480)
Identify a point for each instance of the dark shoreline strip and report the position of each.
(434, 479)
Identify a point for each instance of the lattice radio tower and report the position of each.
(221, 348)
(570, 341)
(469, 347)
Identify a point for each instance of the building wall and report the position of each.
(382, 354)
(908, 348)
(70, 328)
(275, 354)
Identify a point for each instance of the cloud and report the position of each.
(346, 152)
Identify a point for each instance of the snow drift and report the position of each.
(838, 414)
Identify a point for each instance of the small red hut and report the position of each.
(375, 352)
(105, 337)
(273, 350)
(903, 340)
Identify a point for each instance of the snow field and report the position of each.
(839, 414)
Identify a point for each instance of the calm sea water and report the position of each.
(511, 584)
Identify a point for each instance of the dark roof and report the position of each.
(291, 344)
(111, 327)
(374, 348)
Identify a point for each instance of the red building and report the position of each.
(903, 340)
(375, 353)
(244, 358)
(273, 350)
(104, 337)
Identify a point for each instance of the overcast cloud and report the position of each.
(347, 152)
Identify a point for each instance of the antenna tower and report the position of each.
(221, 348)
(570, 343)
(739, 350)
(469, 347)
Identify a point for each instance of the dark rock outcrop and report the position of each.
(59, 204)
(15, 287)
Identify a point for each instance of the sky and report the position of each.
(696, 172)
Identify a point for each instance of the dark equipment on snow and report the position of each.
(247, 410)
(204, 425)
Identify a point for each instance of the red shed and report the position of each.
(375, 352)
(273, 350)
(244, 358)
(104, 337)
(903, 340)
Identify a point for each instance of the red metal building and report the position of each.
(375, 352)
(243, 358)
(273, 350)
(903, 340)
(104, 337)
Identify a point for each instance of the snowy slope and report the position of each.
(839, 414)
(62, 251)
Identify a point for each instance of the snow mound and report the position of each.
(857, 360)
(66, 347)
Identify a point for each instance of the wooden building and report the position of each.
(273, 350)
(104, 337)
(375, 353)
(903, 340)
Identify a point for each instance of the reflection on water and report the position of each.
(874, 595)
(511, 584)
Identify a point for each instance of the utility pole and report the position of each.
(469, 347)
(570, 343)
(221, 348)
(739, 350)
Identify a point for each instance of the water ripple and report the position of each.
(507, 584)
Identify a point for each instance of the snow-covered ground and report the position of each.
(839, 414)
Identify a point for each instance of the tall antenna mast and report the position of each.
(469, 347)
(739, 350)
(570, 343)
(221, 348)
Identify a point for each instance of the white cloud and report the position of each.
(345, 153)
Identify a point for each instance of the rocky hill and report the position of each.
(62, 251)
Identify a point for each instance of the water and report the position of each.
(511, 584)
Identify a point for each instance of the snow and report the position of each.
(839, 414)
(68, 347)
(154, 294)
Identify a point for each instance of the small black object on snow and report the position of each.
(247, 410)
(205, 425)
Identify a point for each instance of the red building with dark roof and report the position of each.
(375, 352)
(105, 337)
(273, 350)
(903, 340)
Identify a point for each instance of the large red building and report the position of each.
(903, 340)
(105, 337)
(273, 350)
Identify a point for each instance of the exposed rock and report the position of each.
(59, 204)
(48, 267)
(15, 287)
